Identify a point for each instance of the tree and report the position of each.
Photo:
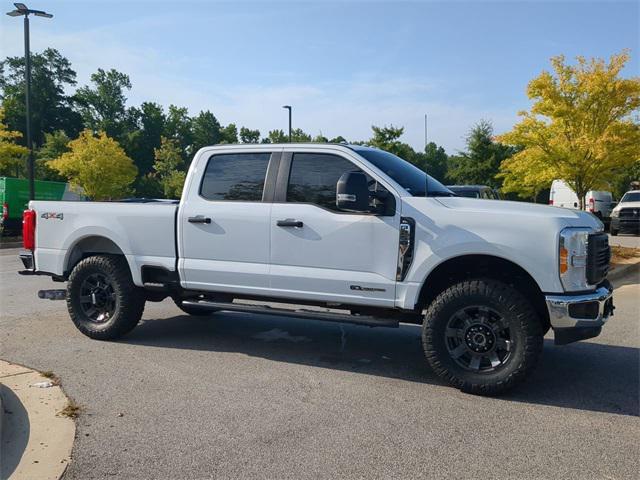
(249, 136)
(103, 108)
(229, 134)
(51, 108)
(98, 165)
(298, 135)
(338, 139)
(206, 130)
(277, 136)
(179, 128)
(12, 156)
(579, 128)
(481, 162)
(434, 161)
(525, 178)
(141, 143)
(55, 145)
(167, 168)
(388, 138)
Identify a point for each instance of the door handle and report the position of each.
(289, 223)
(199, 219)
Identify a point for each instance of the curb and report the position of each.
(623, 270)
(36, 441)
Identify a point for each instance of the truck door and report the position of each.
(224, 223)
(321, 253)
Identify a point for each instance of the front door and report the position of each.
(225, 226)
(321, 253)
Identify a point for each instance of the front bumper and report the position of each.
(625, 224)
(577, 317)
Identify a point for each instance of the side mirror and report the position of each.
(352, 192)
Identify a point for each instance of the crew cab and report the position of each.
(340, 233)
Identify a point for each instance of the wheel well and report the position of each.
(483, 266)
(89, 246)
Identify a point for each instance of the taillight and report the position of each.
(5, 211)
(551, 201)
(592, 207)
(29, 230)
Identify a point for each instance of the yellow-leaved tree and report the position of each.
(12, 155)
(98, 165)
(579, 129)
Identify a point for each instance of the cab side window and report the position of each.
(313, 178)
(235, 177)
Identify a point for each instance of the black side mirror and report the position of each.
(352, 192)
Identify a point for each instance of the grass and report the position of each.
(51, 376)
(72, 410)
(623, 253)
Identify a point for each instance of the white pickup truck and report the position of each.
(338, 233)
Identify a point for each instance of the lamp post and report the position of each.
(23, 10)
(288, 107)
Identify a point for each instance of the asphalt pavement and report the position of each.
(245, 396)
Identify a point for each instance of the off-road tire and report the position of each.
(517, 312)
(129, 300)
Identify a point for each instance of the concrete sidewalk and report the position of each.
(36, 440)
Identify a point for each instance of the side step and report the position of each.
(299, 313)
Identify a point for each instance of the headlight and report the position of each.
(615, 213)
(573, 258)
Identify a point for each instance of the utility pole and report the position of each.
(23, 10)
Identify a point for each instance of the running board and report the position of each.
(301, 313)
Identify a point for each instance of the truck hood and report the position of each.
(627, 205)
(572, 218)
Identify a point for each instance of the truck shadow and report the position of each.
(15, 431)
(584, 376)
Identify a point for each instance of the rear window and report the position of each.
(235, 177)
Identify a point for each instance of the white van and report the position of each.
(600, 203)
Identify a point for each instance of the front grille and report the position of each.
(630, 212)
(598, 257)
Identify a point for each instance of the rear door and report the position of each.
(321, 253)
(224, 222)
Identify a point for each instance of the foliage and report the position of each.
(98, 165)
(277, 136)
(55, 145)
(51, 108)
(387, 138)
(229, 134)
(103, 107)
(249, 136)
(480, 164)
(434, 161)
(167, 168)
(579, 128)
(12, 156)
(206, 130)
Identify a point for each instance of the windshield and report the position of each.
(410, 177)
(631, 197)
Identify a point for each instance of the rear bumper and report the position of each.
(576, 317)
(26, 257)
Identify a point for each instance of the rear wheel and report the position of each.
(482, 336)
(102, 300)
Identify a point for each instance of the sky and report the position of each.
(343, 66)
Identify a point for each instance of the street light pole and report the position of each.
(23, 10)
(288, 107)
(27, 65)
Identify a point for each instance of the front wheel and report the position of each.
(482, 336)
(102, 300)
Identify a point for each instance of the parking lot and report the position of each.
(242, 396)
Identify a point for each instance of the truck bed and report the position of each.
(143, 232)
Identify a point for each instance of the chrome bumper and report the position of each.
(598, 304)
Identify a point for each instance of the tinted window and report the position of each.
(410, 177)
(314, 176)
(631, 197)
(237, 176)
